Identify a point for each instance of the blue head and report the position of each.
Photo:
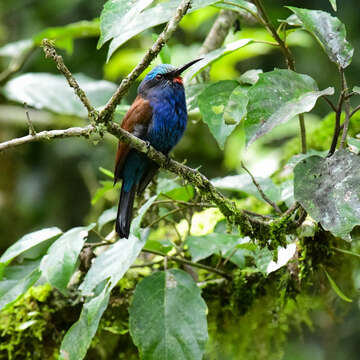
(163, 75)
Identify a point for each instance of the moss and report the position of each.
(25, 327)
(313, 252)
(251, 318)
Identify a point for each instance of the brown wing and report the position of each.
(138, 115)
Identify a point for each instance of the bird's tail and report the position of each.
(124, 214)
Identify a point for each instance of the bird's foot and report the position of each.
(167, 161)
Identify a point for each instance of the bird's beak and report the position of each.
(178, 71)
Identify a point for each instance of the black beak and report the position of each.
(178, 71)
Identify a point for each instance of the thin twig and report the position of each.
(263, 195)
(150, 55)
(354, 111)
(347, 112)
(32, 131)
(48, 135)
(188, 262)
(338, 114)
(330, 103)
(216, 36)
(16, 64)
(289, 60)
(50, 52)
(164, 216)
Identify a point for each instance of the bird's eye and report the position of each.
(158, 77)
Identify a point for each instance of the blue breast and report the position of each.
(169, 117)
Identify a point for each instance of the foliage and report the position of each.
(194, 281)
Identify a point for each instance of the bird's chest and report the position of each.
(168, 122)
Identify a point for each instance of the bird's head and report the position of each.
(163, 75)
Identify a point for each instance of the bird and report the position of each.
(158, 116)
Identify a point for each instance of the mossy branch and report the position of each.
(249, 225)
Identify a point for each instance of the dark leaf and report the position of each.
(168, 317)
(329, 190)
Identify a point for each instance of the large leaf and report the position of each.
(215, 55)
(52, 92)
(135, 21)
(244, 184)
(16, 280)
(240, 6)
(174, 190)
(333, 4)
(329, 190)
(65, 35)
(200, 247)
(222, 106)
(16, 49)
(277, 97)
(329, 31)
(78, 338)
(28, 242)
(116, 260)
(168, 317)
(107, 216)
(60, 262)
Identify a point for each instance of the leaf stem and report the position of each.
(188, 262)
(263, 195)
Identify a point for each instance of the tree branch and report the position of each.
(48, 135)
(217, 35)
(150, 55)
(263, 195)
(50, 52)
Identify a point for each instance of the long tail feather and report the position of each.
(124, 214)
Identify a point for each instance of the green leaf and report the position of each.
(250, 77)
(78, 338)
(28, 242)
(107, 216)
(192, 92)
(333, 4)
(355, 143)
(276, 98)
(336, 288)
(329, 190)
(215, 55)
(117, 16)
(222, 106)
(240, 6)
(65, 35)
(16, 49)
(168, 317)
(113, 263)
(284, 256)
(347, 252)
(172, 189)
(263, 258)
(16, 280)
(121, 20)
(356, 90)
(294, 160)
(107, 172)
(60, 262)
(201, 247)
(101, 191)
(52, 92)
(329, 31)
(244, 184)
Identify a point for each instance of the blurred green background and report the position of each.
(46, 184)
